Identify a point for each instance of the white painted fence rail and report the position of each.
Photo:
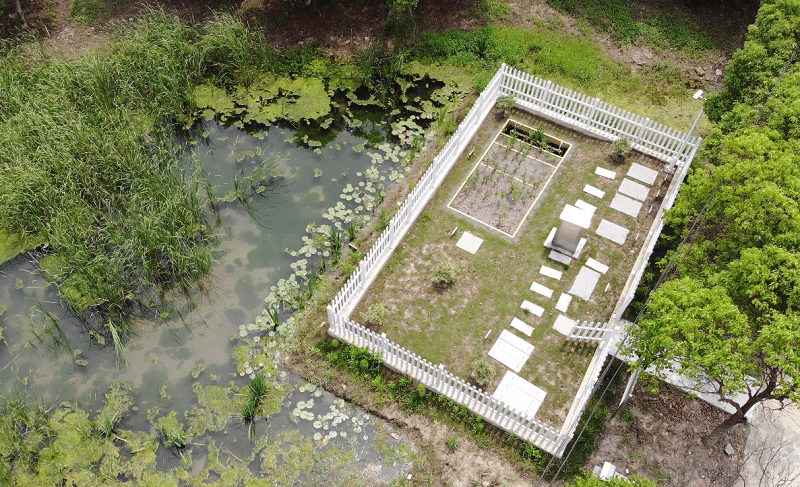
(588, 333)
(564, 106)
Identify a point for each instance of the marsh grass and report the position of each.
(252, 407)
(91, 163)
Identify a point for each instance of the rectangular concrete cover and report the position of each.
(511, 350)
(563, 325)
(520, 325)
(543, 290)
(605, 173)
(633, 189)
(643, 174)
(550, 272)
(626, 205)
(533, 308)
(584, 284)
(563, 302)
(612, 231)
(597, 192)
(469, 242)
(519, 394)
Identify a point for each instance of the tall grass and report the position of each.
(89, 160)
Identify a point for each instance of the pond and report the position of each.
(176, 364)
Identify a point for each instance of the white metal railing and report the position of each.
(544, 98)
(588, 333)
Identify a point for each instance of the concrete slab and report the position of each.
(643, 174)
(520, 325)
(533, 308)
(596, 192)
(511, 350)
(563, 325)
(563, 302)
(560, 258)
(550, 272)
(584, 284)
(519, 394)
(633, 189)
(469, 242)
(596, 265)
(585, 206)
(772, 453)
(605, 173)
(543, 290)
(626, 205)
(612, 231)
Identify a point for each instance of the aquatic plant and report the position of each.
(255, 394)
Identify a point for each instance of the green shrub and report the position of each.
(375, 314)
(505, 103)
(482, 372)
(621, 147)
(446, 273)
(453, 443)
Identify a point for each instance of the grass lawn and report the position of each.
(448, 326)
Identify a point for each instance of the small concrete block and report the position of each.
(633, 189)
(597, 192)
(584, 284)
(522, 326)
(543, 290)
(626, 205)
(605, 173)
(643, 174)
(729, 449)
(533, 308)
(549, 240)
(519, 394)
(550, 272)
(563, 325)
(596, 265)
(511, 350)
(576, 216)
(469, 242)
(563, 302)
(612, 231)
(596, 470)
(560, 258)
(607, 472)
(586, 206)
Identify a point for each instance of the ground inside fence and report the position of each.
(458, 325)
(507, 181)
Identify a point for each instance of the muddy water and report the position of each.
(47, 348)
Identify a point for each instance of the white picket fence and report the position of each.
(543, 98)
(588, 333)
(597, 118)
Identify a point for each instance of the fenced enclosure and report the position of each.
(576, 111)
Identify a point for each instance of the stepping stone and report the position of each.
(596, 265)
(563, 302)
(511, 350)
(605, 173)
(563, 325)
(543, 290)
(626, 205)
(594, 191)
(550, 272)
(522, 326)
(643, 174)
(633, 189)
(612, 231)
(533, 308)
(586, 206)
(469, 242)
(519, 394)
(584, 284)
(560, 258)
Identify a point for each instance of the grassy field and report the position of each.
(448, 326)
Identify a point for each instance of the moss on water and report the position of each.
(216, 406)
(12, 244)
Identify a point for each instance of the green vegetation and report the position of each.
(730, 311)
(621, 148)
(446, 273)
(587, 480)
(90, 11)
(482, 371)
(619, 18)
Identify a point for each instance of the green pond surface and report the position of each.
(180, 364)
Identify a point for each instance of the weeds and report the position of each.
(256, 392)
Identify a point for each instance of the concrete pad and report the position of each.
(511, 350)
(605, 173)
(626, 205)
(522, 326)
(585, 206)
(584, 284)
(563, 302)
(597, 192)
(643, 174)
(533, 308)
(550, 272)
(469, 242)
(596, 265)
(563, 325)
(633, 189)
(772, 453)
(543, 290)
(612, 231)
(519, 394)
(560, 258)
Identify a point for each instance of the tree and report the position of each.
(700, 331)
